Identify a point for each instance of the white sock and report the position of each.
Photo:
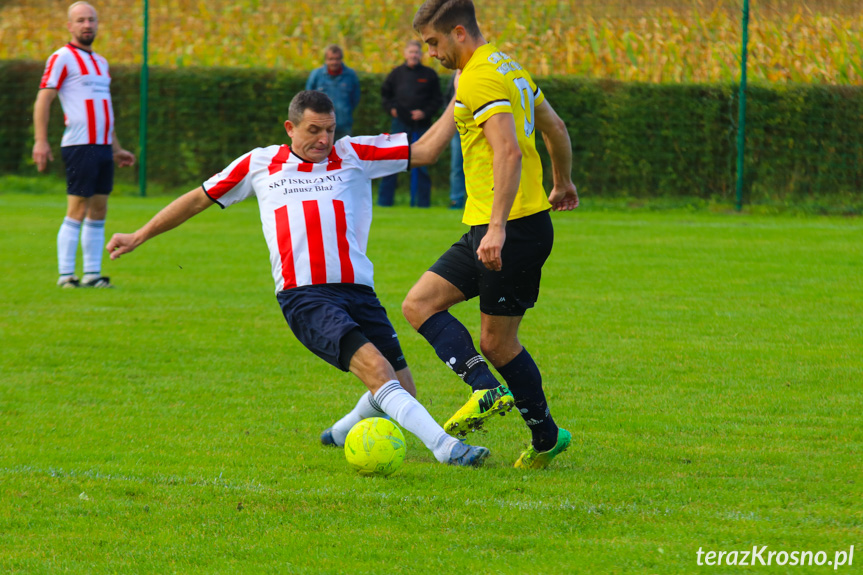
(366, 407)
(67, 245)
(410, 414)
(93, 244)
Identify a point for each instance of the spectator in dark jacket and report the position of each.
(411, 94)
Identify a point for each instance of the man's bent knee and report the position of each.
(430, 295)
(500, 355)
(414, 310)
(499, 346)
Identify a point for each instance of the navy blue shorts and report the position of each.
(334, 320)
(89, 169)
(515, 288)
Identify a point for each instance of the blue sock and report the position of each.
(453, 344)
(525, 382)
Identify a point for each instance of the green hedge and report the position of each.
(629, 139)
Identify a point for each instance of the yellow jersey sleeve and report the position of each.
(493, 83)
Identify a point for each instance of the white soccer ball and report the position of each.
(375, 446)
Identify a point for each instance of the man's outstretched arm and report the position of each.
(171, 216)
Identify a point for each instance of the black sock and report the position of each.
(525, 382)
(453, 344)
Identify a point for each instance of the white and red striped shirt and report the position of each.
(84, 84)
(315, 217)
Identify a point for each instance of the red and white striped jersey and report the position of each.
(315, 217)
(84, 84)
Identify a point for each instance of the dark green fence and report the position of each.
(629, 139)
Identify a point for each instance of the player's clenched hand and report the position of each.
(121, 244)
(563, 197)
(489, 251)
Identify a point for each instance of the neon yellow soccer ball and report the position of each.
(375, 446)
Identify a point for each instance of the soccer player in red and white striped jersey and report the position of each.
(90, 148)
(315, 201)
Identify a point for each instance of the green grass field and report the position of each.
(708, 364)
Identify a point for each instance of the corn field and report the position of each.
(814, 41)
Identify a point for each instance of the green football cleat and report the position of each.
(481, 405)
(533, 459)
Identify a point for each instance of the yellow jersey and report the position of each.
(493, 83)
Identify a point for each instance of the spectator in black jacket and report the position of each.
(412, 96)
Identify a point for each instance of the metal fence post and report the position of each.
(741, 124)
(142, 123)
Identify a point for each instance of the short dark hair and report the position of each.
(334, 49)
(313, 100)
(444, 15)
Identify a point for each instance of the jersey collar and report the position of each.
(71, 45)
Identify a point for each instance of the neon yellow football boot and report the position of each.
(533, 459)
(481, 405)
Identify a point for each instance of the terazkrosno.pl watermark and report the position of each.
(763, 556)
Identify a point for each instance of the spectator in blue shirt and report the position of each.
(341, 84)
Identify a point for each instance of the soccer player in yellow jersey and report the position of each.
(498, 111)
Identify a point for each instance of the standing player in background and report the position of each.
(315, 199)
(341, 84)
(498, 108)
(89, 146)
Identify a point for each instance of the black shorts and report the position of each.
(515, 288)
(89, 169)
(334, 320)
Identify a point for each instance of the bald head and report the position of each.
(82, 24)
(77, 6)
